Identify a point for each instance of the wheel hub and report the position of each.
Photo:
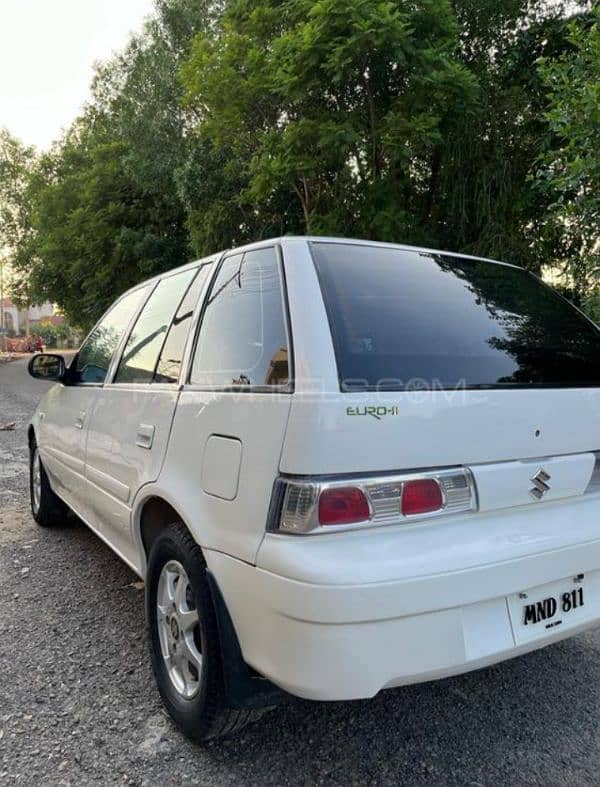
(36, 481)
(179, 629)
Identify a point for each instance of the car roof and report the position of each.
(389, 245)
(284, 240)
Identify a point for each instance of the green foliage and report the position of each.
(591, 305)
(16, 165)
(333, 106)
(484, 202)
(50, 334)
(389, 120)
(570, 170)
(98, 232)
(463, 124)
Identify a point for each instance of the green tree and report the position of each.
(569, 172)
(17, 163)
(333, 106)
(47, 332)
(96, 232)
(482, 198)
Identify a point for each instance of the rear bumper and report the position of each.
(341, 634)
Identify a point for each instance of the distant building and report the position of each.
(18, 322)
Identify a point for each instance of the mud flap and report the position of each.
(244, 687)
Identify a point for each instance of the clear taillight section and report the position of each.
(325, 505)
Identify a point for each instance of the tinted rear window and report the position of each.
(404, 319)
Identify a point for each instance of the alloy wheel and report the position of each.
(179, 629)
(36, 481)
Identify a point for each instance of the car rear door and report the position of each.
(131, 420)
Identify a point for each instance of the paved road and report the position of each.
(78, 704)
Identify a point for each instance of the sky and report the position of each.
(47, 52)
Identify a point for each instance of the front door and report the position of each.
(61, 440)
(66, 410)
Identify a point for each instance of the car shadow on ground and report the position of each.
(514, 717)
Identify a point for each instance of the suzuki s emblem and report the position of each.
(540, 484)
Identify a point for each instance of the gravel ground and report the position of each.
(78, 704)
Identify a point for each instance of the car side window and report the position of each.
(94, 358)
(171, 356)
(147, 336)
(243, 340)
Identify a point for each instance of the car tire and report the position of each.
(47, 508)
(184, 639)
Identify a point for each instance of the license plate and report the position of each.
(540, 611)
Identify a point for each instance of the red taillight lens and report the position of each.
(421, 496)
(343, 506)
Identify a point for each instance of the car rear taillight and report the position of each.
(317, 505)
(421, 496)
(343, 506)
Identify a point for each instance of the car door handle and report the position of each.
(80, 420)
(145, 436)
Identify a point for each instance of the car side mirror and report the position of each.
(47, 367)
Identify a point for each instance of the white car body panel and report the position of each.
(498, 482)
(344, 615)
(258, 422)
(438, 428)
(60, 424)
(118, 461)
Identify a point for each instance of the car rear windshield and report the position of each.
(404, 319)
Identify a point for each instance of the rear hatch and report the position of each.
(448, 361)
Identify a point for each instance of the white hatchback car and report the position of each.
(340, 466)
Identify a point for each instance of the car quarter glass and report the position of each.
(242, 340)
(171, 355)
(403, 318)
(147, 336)
(94, 358)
